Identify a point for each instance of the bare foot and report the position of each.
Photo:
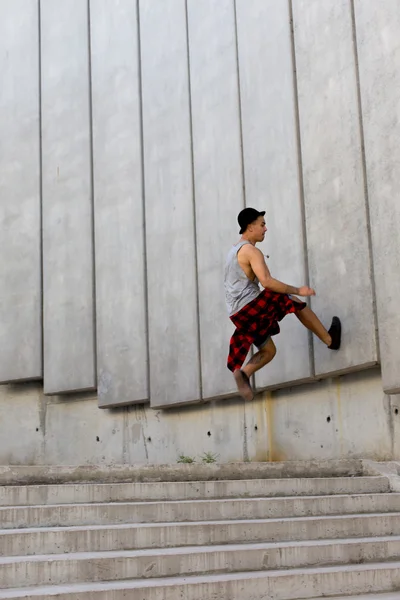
(243, 384)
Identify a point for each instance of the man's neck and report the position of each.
(246, 239)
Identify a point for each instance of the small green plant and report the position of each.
(209, 458)
(186, 460)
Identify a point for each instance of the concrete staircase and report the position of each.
(256, 539)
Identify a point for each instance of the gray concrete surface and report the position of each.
(122, 359)
(190, 554)
(197, 490)
(171, 273)
(335, 202)
(53, 540)
(69, 363)
(348, 412)
(152, 564)
(218, 176)
(114, 473)
(278, 585)
(71, 515)
(173, 236)
(20, 245)
(343, 418)
(378, 52)
(271, 160)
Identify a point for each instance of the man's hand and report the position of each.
(306, 291)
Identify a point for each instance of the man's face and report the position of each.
(258, 229)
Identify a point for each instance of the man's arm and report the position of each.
(260, 269)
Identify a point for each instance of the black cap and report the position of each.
(247, 216)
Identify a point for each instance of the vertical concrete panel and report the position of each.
(379, 63)
(272, 164)
(172, 290)
(67, 198)
(20, 245)
(217, 175)
(118, 193)
(336, 215)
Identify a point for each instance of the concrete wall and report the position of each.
(346, 417)
(135, 133)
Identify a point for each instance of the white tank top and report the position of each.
(239, 289)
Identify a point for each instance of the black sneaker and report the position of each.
(243, 383)
(335, 332)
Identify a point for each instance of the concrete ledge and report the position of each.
(79, 493)
(20, 475)
(390, 470)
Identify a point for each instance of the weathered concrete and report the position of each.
(176, 546)
(348, 412)
(92, 436)
(20, 262)
(71, 515)
(67, 198)
(151, 564)
(379, 58)
(56, 475)
(335, 203)
(21, 420)
(43, 540)
(343, 418)
(118, 200)
(271, 163)
(390, 470)
(153, 59)
(282, 585)
(198, 490)
(218, 175)
(171, 266)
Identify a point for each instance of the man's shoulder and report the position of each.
(249, 250)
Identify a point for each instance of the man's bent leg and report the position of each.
(310, 320)
(260, 359)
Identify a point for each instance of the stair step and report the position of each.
(196, 490)
(194, 510)
(112, 566)
(275, 585)
(53, 540)
(117, 473)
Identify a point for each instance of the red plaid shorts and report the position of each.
(256, 322)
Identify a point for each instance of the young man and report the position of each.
(256, 312)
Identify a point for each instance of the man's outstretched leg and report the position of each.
(331, 338)
(259, 360)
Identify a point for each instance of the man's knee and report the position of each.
(269, 348)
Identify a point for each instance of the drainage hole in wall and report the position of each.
(149, 439)
(256, 428)
(37, 428)
(209, 434)
(396, 411)
(97, 439)
(328, 420)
